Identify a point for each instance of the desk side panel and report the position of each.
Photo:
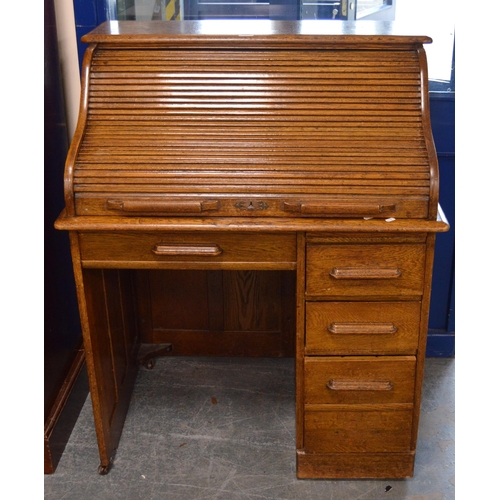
(109, 324)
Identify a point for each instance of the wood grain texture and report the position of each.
(399, 371)
(220, 313)
(363, 327)
(356, 431)
(201, 250)
(322, 123)
(365, 270)
(238, 224)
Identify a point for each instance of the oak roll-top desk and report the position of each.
(295, 155)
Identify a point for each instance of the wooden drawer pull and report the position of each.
(173, 207)
(209, 250)
(360, 385)
(354, 209)
(362, 328)
(365, 272)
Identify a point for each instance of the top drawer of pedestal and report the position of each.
(365, 270)
(329, 129)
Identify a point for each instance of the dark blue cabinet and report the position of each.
(441, 338)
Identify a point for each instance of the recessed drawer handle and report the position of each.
(173, 207)
(354, 209)
(365, 272)
(209, 250)
(362, 328)
(360, 385)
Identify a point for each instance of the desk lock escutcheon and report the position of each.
(251, 205)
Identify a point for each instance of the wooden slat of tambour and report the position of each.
(316, 180)
(128, 130)
(245, 151)
(258, 56)
(270, 102)
(374, 142)
(248, 189)
(274, 69)
(177, 87)
(148, 91)
(181, 185)
(254, 161)
(405, 189)
(257, 76)
(320, 164)
(257, 174)
(245, 112)
(176, 59)
(261, 190)
(270, 120)
(283, 159)
(244, 148)
(242, 181)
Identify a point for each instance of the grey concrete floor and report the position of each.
(224, 428)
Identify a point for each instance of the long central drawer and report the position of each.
(211, 250)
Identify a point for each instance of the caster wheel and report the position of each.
(150, 364)
(103, 470)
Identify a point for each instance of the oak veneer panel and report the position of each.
(354, 431)
(219, 313)
(180, 299)
(111, 346)
(397, 371)
(365, 270)
(362, 327)
(252, 301)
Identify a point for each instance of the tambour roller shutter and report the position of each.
(335, 132)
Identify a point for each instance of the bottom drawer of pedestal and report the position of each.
(358, 430)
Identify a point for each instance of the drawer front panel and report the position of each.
(362, 327)
(357, 380)
(365, 270)
(207, 249)
(358, 430)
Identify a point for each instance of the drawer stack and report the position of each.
(363, 303)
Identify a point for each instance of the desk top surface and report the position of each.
(244, 31)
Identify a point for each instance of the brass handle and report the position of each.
(346, 208)
(360, 385)
(199, 250)
(362, 328)
(152, 206)
(365, 272)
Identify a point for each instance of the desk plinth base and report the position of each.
(354, 465)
